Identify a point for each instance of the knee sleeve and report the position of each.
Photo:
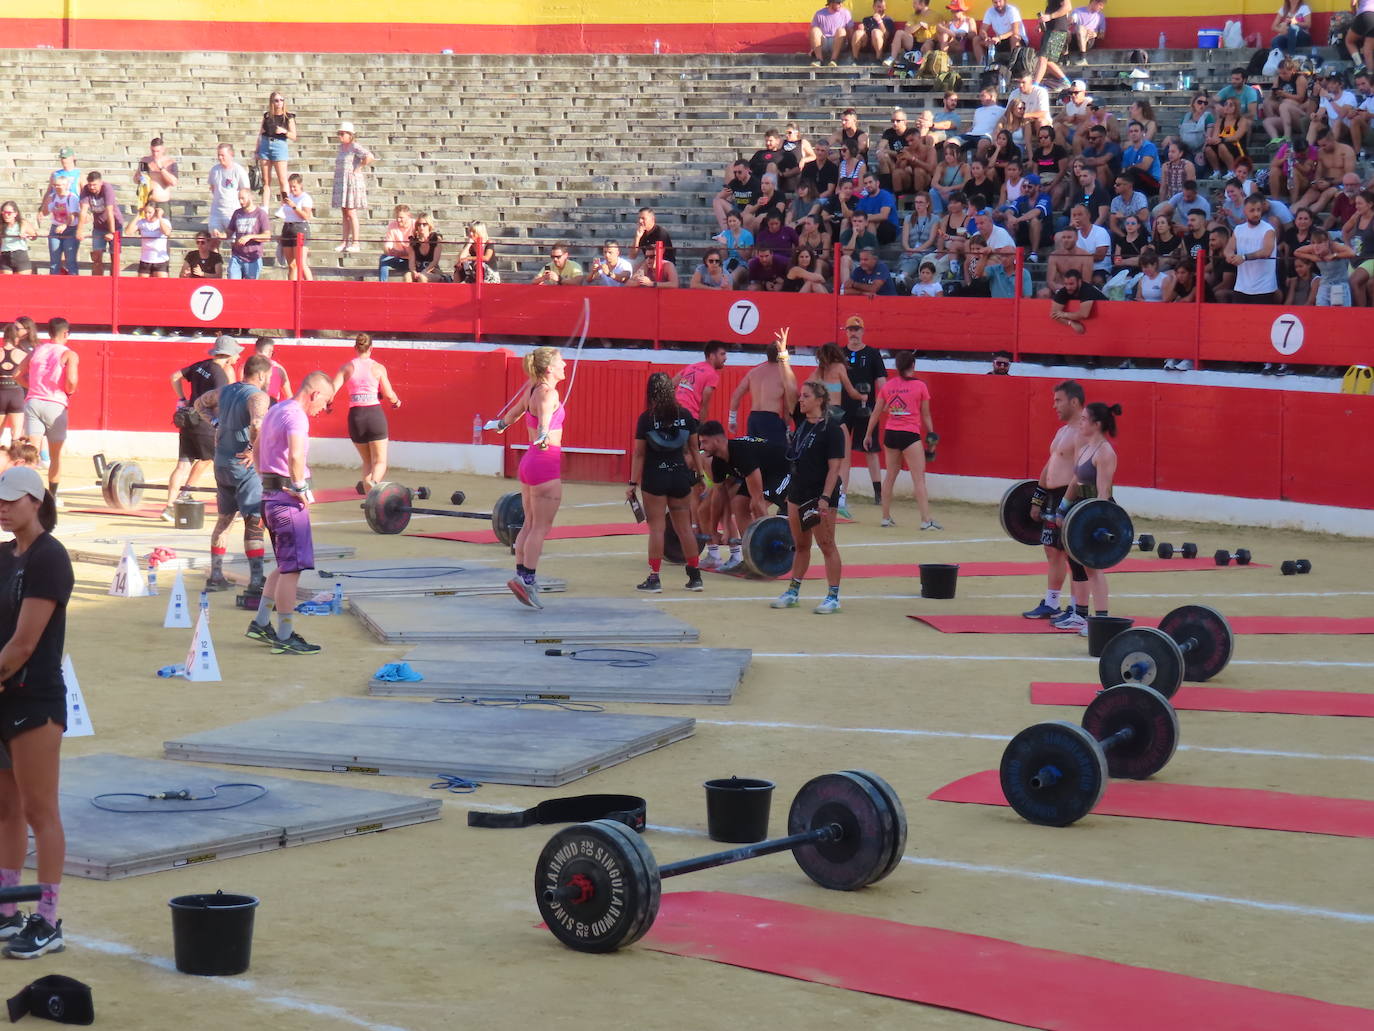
(1080, 575)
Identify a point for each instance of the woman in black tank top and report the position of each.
(12, 355)
(274, 138)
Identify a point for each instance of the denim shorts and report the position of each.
(270, 149)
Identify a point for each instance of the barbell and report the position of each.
(1055, 773)
(1096, 533)
(122, 484)
(1193, 642)
(389, 506)
(597, 885)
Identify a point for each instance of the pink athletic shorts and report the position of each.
(540, 465)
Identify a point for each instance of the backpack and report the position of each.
(1022, 62)
(255, 177)
(936, 65)
(1254, 68)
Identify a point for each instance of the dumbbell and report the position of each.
(1224, 557)
(1054, 773)
(1193, 642)
(597, 884)
(1145, 542)
(122, 483)
(1292, 566)
(1166, 550)
(389, 506)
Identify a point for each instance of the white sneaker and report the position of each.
(931, 524)
(827, 606)
(786, 600)
(731, 563)
(353, 248)
(1170, 365)
(340, 248)
(708, 561)
(888, 522)
(1184, 365)
(1074, 623)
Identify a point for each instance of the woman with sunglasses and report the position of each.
(274, 138)
(1194, 125)
(710, 274)
(1049, 159)
(15, 235)
(426, 252)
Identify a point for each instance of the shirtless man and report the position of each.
(237, 410)
(772, 389)
(1066, 255)
(1335, 160)
(1054, 480)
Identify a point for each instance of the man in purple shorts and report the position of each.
(280, 456)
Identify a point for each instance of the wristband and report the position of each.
(1039, 496)
(300, 488)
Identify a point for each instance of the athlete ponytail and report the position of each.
(538, 362)
(362, 343)
(47, 512)
(1104, 416)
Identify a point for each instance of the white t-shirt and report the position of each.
(999, 24)
(985, 120)
(154, 247)
(303, 201)
(225, 184)
(1332, 107)
(1303, 11)
(1097, 237)
(999, 238)
(1256, 276)
(1368, 104)
(1037, 101)
(927, 290)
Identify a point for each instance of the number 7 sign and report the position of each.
(207, 303)
(1286, 334)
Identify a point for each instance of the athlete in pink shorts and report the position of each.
(541, 469)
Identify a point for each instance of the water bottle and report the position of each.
(963, 57)
(152, 581)
(1163, 41)
(336, 603)
(477, 429)
(172, 671)
(205, 601)
(658, 47)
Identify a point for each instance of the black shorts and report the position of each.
(196, 444)
(1049, 536)
(802, 492)
(767, 425)
(775, 490)
(366, 423)
(900, 440)
(12, 400)
(294, 231)
(15, 261)
(148, 268)
(672, 482)
(30, 711)
(858, 429)
(1363, 25)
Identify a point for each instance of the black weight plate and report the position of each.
(1142, 655)
(672, 544)
(120, 490)
(1053, 773)
(862, 854)
(1098, 533)
(1014, 511)
(107, 485)
(768, 547)
(1153, 723)
(387, 508)
(618, 882)
(507, 518)
(1203, 636)
(898, 818)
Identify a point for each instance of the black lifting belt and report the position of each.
(627, 809)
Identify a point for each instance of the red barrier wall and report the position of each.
(1232, 441)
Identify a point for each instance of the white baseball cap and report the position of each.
(348, 128)
(18, 480)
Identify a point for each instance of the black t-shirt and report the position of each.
(1126, 249)
(1094, 201)
(981, 195)
(782, 157)
(812, 447)
(895, 140)
(655, 235)
(1086, 292)
(1048, 164)
(835, 212)
(866, 373)
(204, 376)
(1055, 24)
(43, 571)
(209, 265)
(827, 175)
(1195, 244)
(1166, 248)
(745, 193)
(681, 425)
(747, 454)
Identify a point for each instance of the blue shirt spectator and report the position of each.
(870, 276)
(872, 203)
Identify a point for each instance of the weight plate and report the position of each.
(1014, 511)
(1053, 773)
(1203, 636)
(768, 547)
(672, 544)
(387, 508)
(107, 484)
(898, 818)
(1098, 533)
(507, 518)
(863, 853)
(120, 490)
(1142, 655)
(1153, 724)
(615, 879)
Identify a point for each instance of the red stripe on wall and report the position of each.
(387, 37)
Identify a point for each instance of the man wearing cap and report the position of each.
(249, 228)
(1073, 114)
(280, 456)
(196, 436)
(1087, 25)
(866, 374)
(1030, 213)
(236, 411)
(66, 169)
(830, 26)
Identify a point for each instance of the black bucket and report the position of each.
(737, 809)
(213, 934)
(1102, 629)
(188, 514)
(938, 581)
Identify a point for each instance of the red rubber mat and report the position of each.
(1239, 624)
(1227, 699)
(1194, 803)
(990, 977)
(558, 533)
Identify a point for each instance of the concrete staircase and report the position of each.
(540, 148)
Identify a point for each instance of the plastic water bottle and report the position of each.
(336, 603)
(1163, 41)
(204, 601)
(477, 425)
(152, 581)
(658, 47)
(172, 671)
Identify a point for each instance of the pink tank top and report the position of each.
(45, 373)
(276, 382)
(362, 384)
(555, 421)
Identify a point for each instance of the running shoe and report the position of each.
(1041, 611)
(294, 645)
(931, 524)
(732, 563)
(1059, 618)
(843, 511)
(36, 939)
(888, 521)
(1267, 369)
(786, 600)
(1184, 365)
(1171, 365)
(694, 579)
(522, 592)
(1073, 624)
(708, 561)
(169, 514)
(258, 632)
(651, 585)
(218, 582)
(11, 925)
(827, 606)
(1282, 370)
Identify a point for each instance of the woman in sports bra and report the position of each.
(1094, 472)
(364, 383)
(541, 469)
(12, 354)
(832, 370)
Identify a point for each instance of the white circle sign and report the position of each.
(1286, 334)
(744, 317)
(207, 303)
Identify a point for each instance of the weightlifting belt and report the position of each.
(627, 809)
(271, 481)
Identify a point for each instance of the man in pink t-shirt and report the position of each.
(695, 384)
(830, 25)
